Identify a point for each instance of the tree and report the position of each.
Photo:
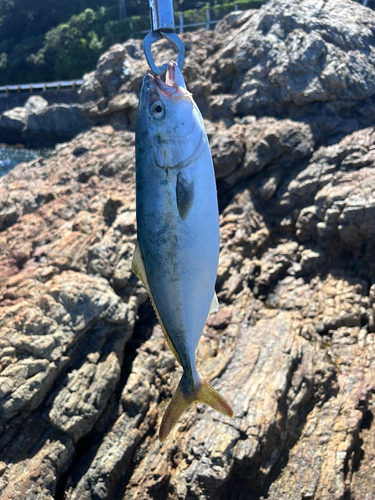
(72, 48)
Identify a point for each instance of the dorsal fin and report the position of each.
(214, 304)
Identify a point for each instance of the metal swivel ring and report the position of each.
(152, 37)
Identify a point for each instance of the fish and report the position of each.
(178, 236)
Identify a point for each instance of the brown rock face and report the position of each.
(85, 374)
(289, 59)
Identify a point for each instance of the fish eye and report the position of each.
(157, 109)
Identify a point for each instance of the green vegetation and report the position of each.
(69, 45)
(43, 40)
(48, 40)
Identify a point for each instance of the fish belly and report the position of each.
(180, 256)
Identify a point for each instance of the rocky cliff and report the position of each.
(288, 94)
(40, 124)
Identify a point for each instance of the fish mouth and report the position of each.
(174, 84)
(165, 89)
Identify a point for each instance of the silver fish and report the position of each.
(177, 254)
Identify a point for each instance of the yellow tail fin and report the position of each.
(184, 397)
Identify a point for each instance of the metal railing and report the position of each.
(72, 84)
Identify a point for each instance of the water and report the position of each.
(10, 157)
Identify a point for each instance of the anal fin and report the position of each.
(139, 269)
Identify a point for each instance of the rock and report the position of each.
(309, 63)
(41, 125)
(228, 150)
(85, 373)
(110, 94)
(220, 106)
(14, 119)
(113, 88)
(220, 319)
(244, 150)
(285, 61)
(267, 140)
(13, 125)
(55, 123)
(66, 336)
(234, 19)
(36, 104)
(338, 184)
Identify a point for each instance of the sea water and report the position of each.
(10, 157)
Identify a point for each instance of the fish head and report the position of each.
(169, 122)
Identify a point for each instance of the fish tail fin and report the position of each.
(185, 396)
(211, 397)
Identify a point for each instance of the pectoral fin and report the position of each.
(214, 304)
(184, 194)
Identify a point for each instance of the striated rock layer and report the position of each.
(85, 374)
